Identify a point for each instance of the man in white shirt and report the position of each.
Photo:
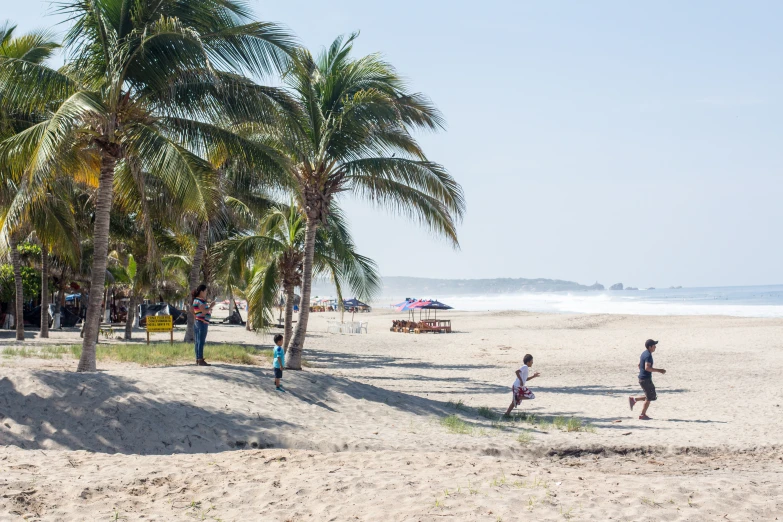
(519, 389)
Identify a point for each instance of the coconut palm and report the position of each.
(32, 48)
(146, 84)
(243, 185)
(49, 214)
(353, 135)
(276, 252)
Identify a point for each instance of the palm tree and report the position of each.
(49, 213)
(243, 185)
(32, 48)
(353, 134)
(147, 82)
(279, 255)
(276, 251)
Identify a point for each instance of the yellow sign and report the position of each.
(159, 323)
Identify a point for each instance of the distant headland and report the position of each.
(427, 286)
(399, 286)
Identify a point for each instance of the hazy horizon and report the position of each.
(601, 141)
(321, 283)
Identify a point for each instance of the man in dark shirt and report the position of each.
(645, 378)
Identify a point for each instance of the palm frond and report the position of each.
(262, 294)
(189, 179)
(407, 201)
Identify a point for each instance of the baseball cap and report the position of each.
(650, 342)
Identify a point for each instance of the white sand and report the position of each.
(359, 435)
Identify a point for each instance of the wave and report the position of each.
(605, 303)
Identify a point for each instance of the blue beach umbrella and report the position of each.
(436, 305)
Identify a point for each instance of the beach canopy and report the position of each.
(353, 303)
(435, 305)
(407, 305)
(422, 304)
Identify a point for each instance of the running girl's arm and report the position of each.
(519, 375)
(533, 376)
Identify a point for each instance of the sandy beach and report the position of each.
(390, 426)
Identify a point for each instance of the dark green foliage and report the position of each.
(31, 283)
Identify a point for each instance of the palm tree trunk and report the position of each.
(16, 261)
(131, 316)
(44, 292)
(289, 317)
(106, 317)
(60, 299)
(195, 275)
(295, 349)
(92, 322)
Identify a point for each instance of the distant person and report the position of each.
(202, 312)
(645, 378)
(84, 300)
(278, 361)
(519, 390)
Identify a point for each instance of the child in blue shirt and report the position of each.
(278, 361)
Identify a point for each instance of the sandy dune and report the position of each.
(359, 435)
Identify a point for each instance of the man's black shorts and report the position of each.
(649, 389)
(278, 373)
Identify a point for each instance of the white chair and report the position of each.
(362, 326)
(333, 327)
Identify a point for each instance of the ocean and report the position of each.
(739, 301)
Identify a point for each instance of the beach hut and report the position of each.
(424, 324)
(409, 305)
(433, 325)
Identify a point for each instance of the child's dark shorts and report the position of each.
(278, 373)
(649, 389)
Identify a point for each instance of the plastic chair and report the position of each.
(362, 326)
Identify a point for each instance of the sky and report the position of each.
(610, 141)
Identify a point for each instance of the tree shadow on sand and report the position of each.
(355, 361)
(317, 388)
(597, 389)
(110, 413)
(104, 412)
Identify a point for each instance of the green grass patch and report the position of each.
(487, 413)
(578, 425)
(162, 354)
(567, 424)
(155, 354)
(38, 352)
(459, 405)
(456, 425)
(525, 438)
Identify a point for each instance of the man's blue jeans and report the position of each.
(200, 331)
